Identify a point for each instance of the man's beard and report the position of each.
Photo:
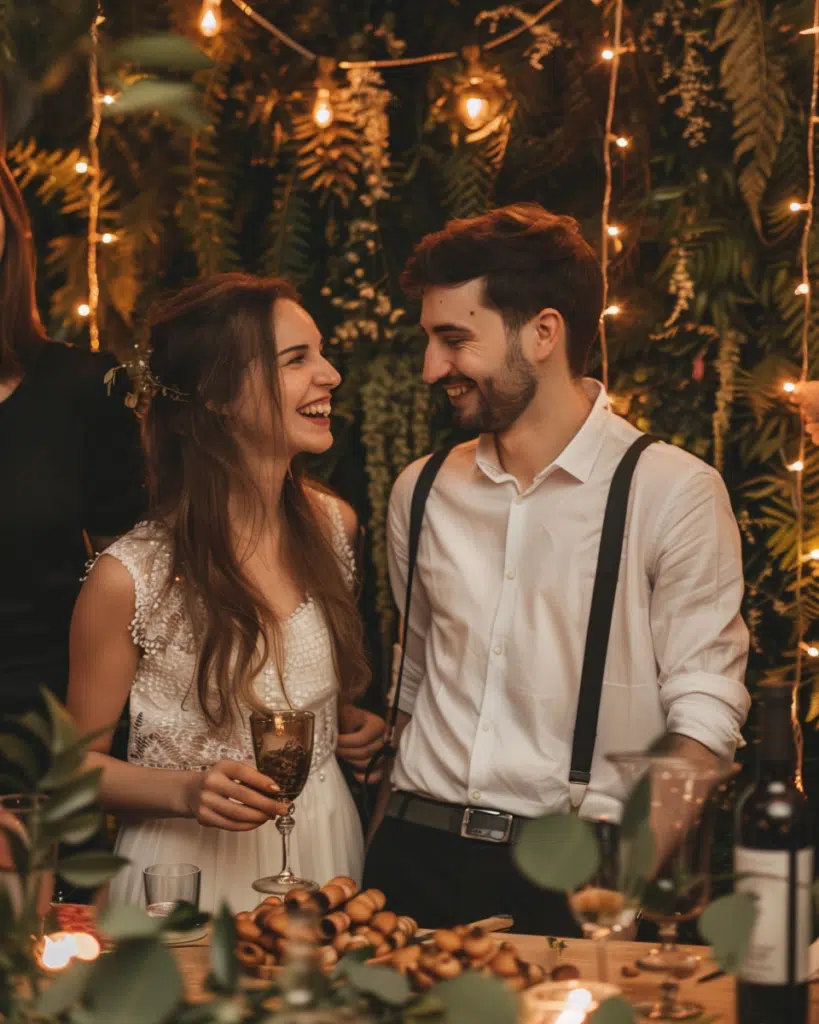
(502, 401)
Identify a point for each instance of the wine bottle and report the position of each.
(773, 860)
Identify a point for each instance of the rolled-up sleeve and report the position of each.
(700, 640)
(397, 561)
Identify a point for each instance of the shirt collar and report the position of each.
(579, 455)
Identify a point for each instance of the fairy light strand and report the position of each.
(94, 182)
(397, 62)
(801, 647)
(607, 189)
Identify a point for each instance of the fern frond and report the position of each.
(288, 230)
(752, 79)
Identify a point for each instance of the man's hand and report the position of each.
(360, 735)
(806, 396)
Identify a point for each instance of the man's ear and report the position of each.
(550, 331)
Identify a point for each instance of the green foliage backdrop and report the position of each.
(713, 96)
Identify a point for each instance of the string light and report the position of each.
(622, 142)
(81, 167)
(810, 649)
(797, 466)
(608, 54)
(798, 497)
(789, 386)
(210, 18)
(108, 98)
(95, 185)
(474, 110)
(796, 207)
(107, 238)
(606, 235)
(83, 309)
(613, 230)
(323, 108)
(394, 62)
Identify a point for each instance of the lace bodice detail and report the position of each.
(168, 728)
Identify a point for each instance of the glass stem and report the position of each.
(668, 936)
(602, 951)
(285, 825)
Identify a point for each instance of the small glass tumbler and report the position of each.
(167, 884)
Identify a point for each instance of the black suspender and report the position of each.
(420, 493)
(600, 614)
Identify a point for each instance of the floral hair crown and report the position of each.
(147, 384)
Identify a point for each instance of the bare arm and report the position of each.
(103, 662)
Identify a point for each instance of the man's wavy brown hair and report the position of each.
(202, 341)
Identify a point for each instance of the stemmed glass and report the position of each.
(677, 886)
(283, 747)
(603, 906)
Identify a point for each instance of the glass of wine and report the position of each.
(677, 888)
(283, 747)
(603, 906)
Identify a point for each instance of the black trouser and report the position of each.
(442, 879)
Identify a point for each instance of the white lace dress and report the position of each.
(169, 731)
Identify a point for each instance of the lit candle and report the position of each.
(564, 1002)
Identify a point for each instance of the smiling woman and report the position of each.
(236, 596)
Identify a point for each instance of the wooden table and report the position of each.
(717, 996)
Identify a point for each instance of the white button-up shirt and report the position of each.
(500, 606)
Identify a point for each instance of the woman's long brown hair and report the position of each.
(202, 342)
(21, 330)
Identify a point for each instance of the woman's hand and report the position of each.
(233, 796)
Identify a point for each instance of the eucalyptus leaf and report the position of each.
(77, 795)
(557, 851)
(726, 924)
(63, 768)
(223, 966)
(121, 921)
(63, 730)
(18, 754)
(138, 983)
(66, 989)
(476, 999)
(162, 51)
(90, 868)
(152, 94)
(382, 982)
(354, 956)
(638, 854)
(79, 828)
(614, 1010)
(184, 917)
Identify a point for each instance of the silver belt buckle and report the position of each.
(496, 834)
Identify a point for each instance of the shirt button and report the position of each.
(497, 649)
(475, 794)
(510, 574)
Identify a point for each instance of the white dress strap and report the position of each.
(341, 544)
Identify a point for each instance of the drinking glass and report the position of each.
(283, 746)
(677, 889)
(603, 906)
(167, 884)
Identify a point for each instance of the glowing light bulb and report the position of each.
(802, 289)
(613, 230)
(83, 309)
(323, 109)
(789, 386)
(796, 467)
(795, 206)
(622, 142)
(108, 238)
(607, 54)
(814, 554)
(81, 166)
(813, 651)
(473, 109)
(612, 310)
(109, 98)
(210, 18)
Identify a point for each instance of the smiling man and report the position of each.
(494, 721)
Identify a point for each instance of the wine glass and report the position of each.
(283, 746)
(677, 886)
(603, 906)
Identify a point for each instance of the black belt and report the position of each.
(469, 822)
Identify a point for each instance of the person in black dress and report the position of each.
(71, 472)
